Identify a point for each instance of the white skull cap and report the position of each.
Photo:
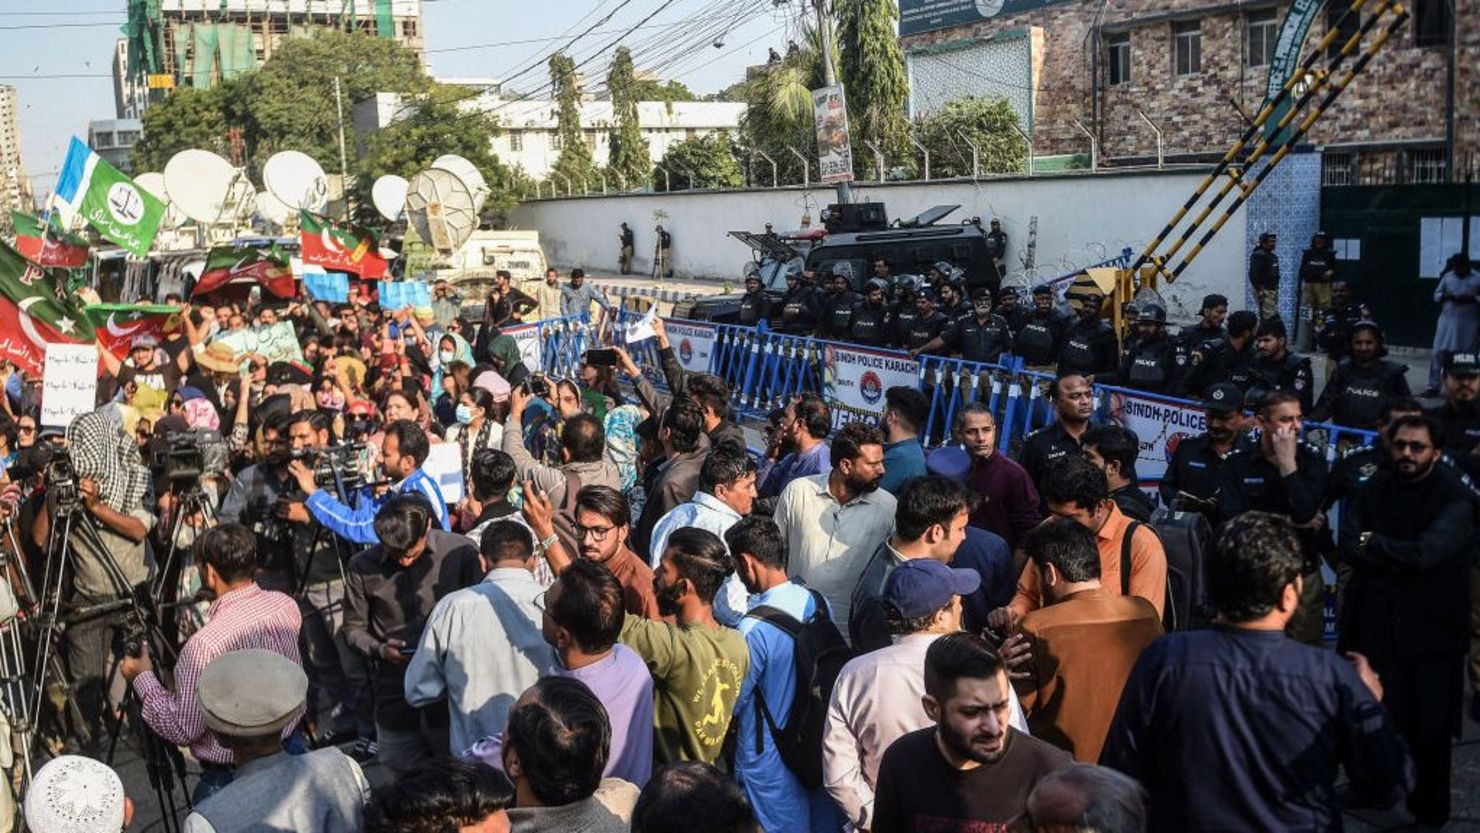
(73, 794)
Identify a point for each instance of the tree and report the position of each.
(989, 122)
(188, 119)
(701, 162)
(778, 113)
(574, 161)
(649, 89)
(436, 126)
(628, 158)
(873, 74)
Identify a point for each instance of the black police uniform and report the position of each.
(754, 306)
(1045, 445)
(1315, 263)
(1241, 366)
(1193, 471)
(837, 315)
(1191, 340)
(1150, 365)
(1460, 434)
(1038, 340)
(905, 314)
(798, 312)
(922, 330)
(1016, 318)
(871, 325)
(1291, 373)
(1089, 348)
(957, 311)
(978, 342)
(997, 252)
(1354, 468)
(1209, 363)
(1335, 333)
(1354, 394)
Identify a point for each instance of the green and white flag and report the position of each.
(110, 202)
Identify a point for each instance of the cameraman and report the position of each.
(340, 698)
(402, 451)
(110, 481)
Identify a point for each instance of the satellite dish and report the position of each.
(468, 173)
(389, 196)
(241, 200)
(202, 184)
(296, 180)
(272, 209)
(154, 184)
(441, 209)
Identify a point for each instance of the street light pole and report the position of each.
(829, 76)
(343, 155)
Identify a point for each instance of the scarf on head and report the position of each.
(102, 452)
(621, 442)
(461, 352)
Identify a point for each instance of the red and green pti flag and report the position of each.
(117, 325)
(226, 265)
(32, 315)
(340, 248)
(48, 246)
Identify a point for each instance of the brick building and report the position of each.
(1197, 69)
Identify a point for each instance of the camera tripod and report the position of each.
(193, 501)
(163, 762)
(13, 655)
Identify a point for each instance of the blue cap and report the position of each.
(949, 461)
(922, 586)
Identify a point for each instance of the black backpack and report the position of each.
(820, 652)
(1185, 538)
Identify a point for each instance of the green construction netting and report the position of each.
(144, 32)
(204, 55)
(181, 32)
(385, 25)
(238, 56)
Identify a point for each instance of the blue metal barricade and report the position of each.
(951, 384)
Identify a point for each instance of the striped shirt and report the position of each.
(248, 617)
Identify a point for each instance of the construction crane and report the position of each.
(1273, 133)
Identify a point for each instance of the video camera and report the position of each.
(184, 457)
(342, 464)
(59, 475)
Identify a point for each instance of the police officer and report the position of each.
(939, 273)
(837, 307)
(953, 304)
(1277, 367)
(905, 309)
(927, 324)
(755, 305)
(980, 337)
(997, 251)
(1010, 307)
(1151, 364)
(1039, 339)
(1359, 463)
(1190, 483)
(872, 323)
(798, 306)
(1073, 401)
(1282, 475)
(1089, 345)
(1333, 328)
(1357, 388)
(1209, 328)
(1264, 275)
(1317, 271)
(1459, 416)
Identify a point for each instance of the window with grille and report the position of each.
(1263, 32)
(1118, 58)
(516, 142)
(1427, 165)
(556, 141)
(1433, 22)
(1336, 169)
(1187, 47)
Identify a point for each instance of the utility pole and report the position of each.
(343, 156)
(829, 76)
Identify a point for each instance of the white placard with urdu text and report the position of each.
(69, 386)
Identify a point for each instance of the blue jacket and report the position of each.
(357, 523)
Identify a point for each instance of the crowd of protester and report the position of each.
(630, 621)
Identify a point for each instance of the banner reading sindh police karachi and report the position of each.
(1160, 425)
(917, 16)
(834, 152)
(693, 344)
(855, 378)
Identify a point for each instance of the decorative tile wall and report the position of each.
(997, 67)
(1288, 203)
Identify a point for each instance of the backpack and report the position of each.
(564, 520)
(819, 652)
(1185, 538)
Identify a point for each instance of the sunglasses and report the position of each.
(27, 429)
(1411, 445)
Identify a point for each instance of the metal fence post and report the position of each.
(806, 168)
(976, 155)
(924, 151)
(766, 156)
(1094, 146)
(878, 158)
(1160, 157)
(1029, 139)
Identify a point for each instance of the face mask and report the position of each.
(445, 356)
(464, 414)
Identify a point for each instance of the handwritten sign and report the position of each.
(70, 383)
(277, 342)
(444, 465)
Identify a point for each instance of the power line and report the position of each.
(16, 27)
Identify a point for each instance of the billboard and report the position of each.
(916, 16)
(834, 151)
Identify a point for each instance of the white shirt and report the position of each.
(877, 699)
(709, 513)
(828, 543)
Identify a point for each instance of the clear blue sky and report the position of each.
(76, 38)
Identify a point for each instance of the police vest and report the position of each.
(1148, 370)
(1360, 395)
(869, 325)
(923, 330)
(982, 342)
(796, 311)
(750, 308)
(1035, 341)
(839, 315)
(1078, 355)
